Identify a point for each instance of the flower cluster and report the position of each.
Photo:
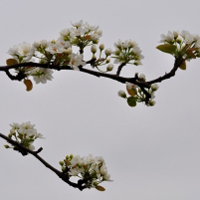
(55, 52)
(128, 52)
(68, 51)
(90, 170)
(184, 44)
(81, 34)
(24, 134)
(137, 95)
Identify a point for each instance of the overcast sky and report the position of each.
(152, 153)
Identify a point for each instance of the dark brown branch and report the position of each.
(144, 85)
(120, 68)
(178, 62)
(115, 77)
(24, 151)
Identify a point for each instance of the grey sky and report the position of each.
(151, 153)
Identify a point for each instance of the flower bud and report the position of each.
(129, 85)
(110, 67)
(93, 49)
(142, 77)
(154, 87)
(53, 41)
(122, 94)
(101, 47)
(151, 103)
(44, 43)
(68, 51)
(108, 52)
(63, 169)
(61, 163)
(36, 44)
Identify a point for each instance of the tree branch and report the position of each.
(134, 80)
(144, 85)
(24, 151)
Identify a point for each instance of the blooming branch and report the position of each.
(62, 54)
(90, 170)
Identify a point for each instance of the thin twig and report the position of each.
(25, 151)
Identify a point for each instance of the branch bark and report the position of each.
(115, 77)
(24, 151)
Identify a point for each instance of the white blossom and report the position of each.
(76, 60)
(65, 32)
(91, 28)
(77, 24)
(167, 38)
(41, 75)
(55, 48)
(22, 52)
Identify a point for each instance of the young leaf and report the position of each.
(190, 52)
(183, 65)
(132, 91)
(167, 48)
(11, 61)
(100, 188)
(132, 101)
(29, 84)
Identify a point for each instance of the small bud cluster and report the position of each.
(100, 61)
(91, 170)
(182, 44)
(137, 95)
(25, 134)
(128, 52)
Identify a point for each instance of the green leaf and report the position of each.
(132, 101)
(100, 188)
(29, 84)
(11, 62)
(167, 48)
(183, 65)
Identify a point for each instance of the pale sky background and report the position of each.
(152, 153)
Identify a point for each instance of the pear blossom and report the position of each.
(167, 38)
(91, 28)
(22, 52)
(41, 75)
(75, 171)
(188, 38)
(55, 48)
(28, 129)
(184, 44)
(13, 51)
(76, 60)
(77, 32)
(127, 51)
(77, 24)
(62, 42)
(25, 134)
(90, 168)
(65, 32)
(96, 35)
